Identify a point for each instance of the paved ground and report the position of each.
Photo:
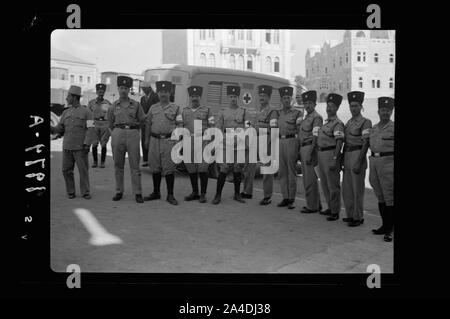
(194, 237)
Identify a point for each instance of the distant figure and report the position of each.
(147, 101)
(356, 145)
(329, 142)
(382, 166)
(77, 127)
(162, 118)
(289, 120)
(99, 108)
(125, 120)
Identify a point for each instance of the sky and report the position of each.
(132, 51)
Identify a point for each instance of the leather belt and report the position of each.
(328, 148)
(287, 136)
(307, 143)
(161, 136)
(382, 154)
(127, 127)
(351, 148)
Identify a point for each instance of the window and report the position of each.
(334, 64)
(378, 84)
(232, 62)
(211, 34)
(391, 58)
(250, 63)
(391, 83)
(360, 83)
(240, 65)
(231, 36)
(276, 65)
(80, 79)
(240, 35)
(89, 80)
(212, 60)
(249, 35)
(360, 34)
(202, 34)
(358, 56)
(108, 80)
(63, 76)
(268, 36)
(340, 86)
(375, 58)
(203, 59)
(373, 84)
(340, 61)
(326, 70)
(364, 56)
(268, 64)
(346, 58)
(276, 37)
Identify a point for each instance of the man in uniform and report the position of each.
(329, 142)
(266, 118)
(204, 115)
(99, 108)
(125, 118)
(77, 127)
(381, 175)
(147, 101)
(356, 145)
(289, 120)
(162, 118)
(308, 133)
(228, 120)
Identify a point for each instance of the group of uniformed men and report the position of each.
(324, 149)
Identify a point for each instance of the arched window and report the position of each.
(211, 34)
(378, 84)
(391, 83)
(373, 84)
(375, 58)
(268, 64)
(203, 59)
(250, 63)
(358, 56)
(276, 37)
(391, 58)
(232, 62)
(360, 34)
(276, 65)
(364, 56)
(240, 64)
(346, 57)
(360, 82)
(212, 60)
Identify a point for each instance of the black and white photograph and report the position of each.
(120, 202)
(241, 155)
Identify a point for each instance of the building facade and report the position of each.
(66, 70)
(262, 51)
(364, 61)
